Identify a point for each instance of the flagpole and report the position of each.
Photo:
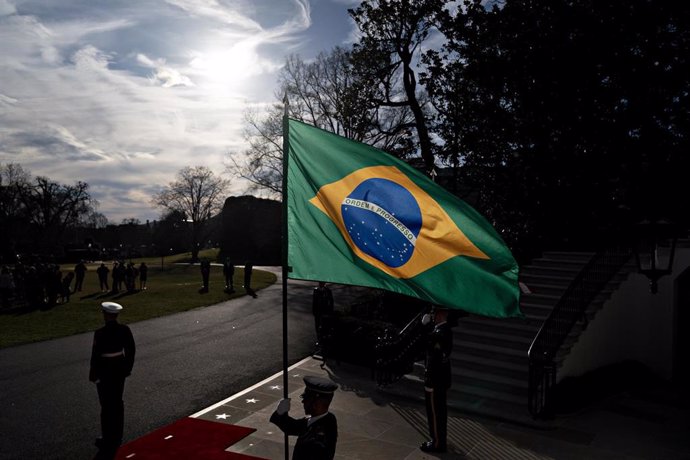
(284, 241)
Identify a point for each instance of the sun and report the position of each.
(227, 68)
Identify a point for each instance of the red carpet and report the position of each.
(188, 438)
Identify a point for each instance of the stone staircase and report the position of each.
(490, 364)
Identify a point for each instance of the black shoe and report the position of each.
(104, 445)
(430, 447)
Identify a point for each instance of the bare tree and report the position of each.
(197, 193)
(53, 207)
(94, 219)
(35, 213)
(262, 164)
(326, 93)
(331, 94)
(393, 32)
(14, 181)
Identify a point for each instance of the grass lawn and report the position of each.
(171, 289)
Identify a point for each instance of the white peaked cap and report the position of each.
(111, 307)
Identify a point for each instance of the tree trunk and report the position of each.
(410, 84)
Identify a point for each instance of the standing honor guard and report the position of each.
(317, 433)
(437, 379)
(321, 304)
(112, 359)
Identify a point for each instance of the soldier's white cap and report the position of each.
(111, 307)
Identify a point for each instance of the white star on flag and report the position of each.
(221, 416)
(252, 401)
(275, 387)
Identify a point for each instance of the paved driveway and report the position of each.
(185, 362)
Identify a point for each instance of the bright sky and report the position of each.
(122, 94)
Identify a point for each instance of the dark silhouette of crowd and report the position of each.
(38, 284)
(125, 275)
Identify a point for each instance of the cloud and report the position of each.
(297, 23)
(347, 3)
(7, 101)
(123, 94)
(7, 8)
(52, 142)
(164, 75)
(67, 144)
(213, 9)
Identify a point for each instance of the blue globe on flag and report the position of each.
(383, 220)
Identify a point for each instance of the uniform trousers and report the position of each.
(437, 415)
(110, 392)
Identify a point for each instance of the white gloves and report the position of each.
(283, 406)
(426, 319)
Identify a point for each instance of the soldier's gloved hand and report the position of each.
(283, 406)
(426, 319)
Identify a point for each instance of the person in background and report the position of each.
(130, 277)
(66, 287)
(53, 284)
(114, 274)
(102, 273)
(228, 272)
(248, 267)
(80, 273)
(205, 267)
(143, 276)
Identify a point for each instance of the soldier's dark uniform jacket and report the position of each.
(112, 354)
(439, 347)
(315, 441)
(322, 301)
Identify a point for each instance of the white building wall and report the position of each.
(633, 325)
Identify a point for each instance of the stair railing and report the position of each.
(396, 353)
(571, 307)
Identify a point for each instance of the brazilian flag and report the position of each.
(357, 215)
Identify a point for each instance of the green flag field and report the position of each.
(357, 215)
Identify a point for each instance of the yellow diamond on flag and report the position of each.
(391, 223)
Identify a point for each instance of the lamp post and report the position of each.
(654, 250)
